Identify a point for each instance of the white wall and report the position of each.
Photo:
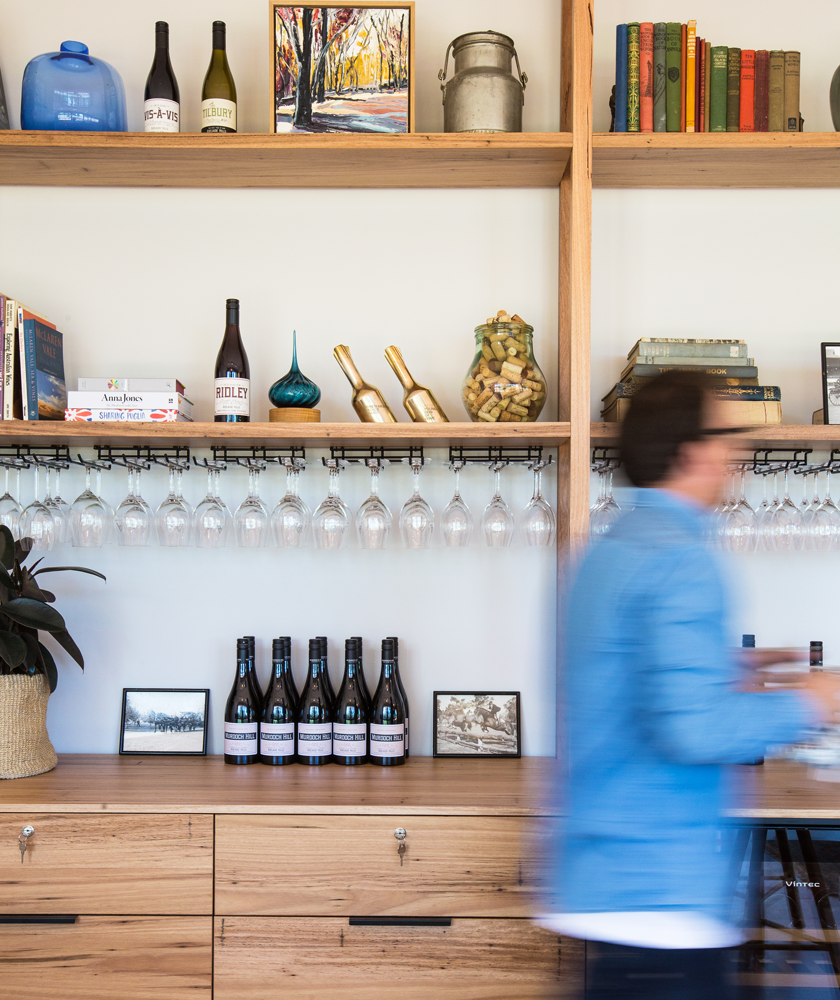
(137, 279)
(761, 265)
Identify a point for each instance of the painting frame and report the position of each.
(830, 352)
(168, 692)
(481, 750)
(405, 5)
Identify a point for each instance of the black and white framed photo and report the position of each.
(831, 382)
(164, 721)
(477, 724)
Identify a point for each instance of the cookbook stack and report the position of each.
(129, 399)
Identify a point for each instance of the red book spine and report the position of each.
(683, 50)
(762, 91)
(646, 76)
(747, 90)
(701, 86)
(698, 98)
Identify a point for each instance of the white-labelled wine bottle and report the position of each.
(387, 715)
(252, 669)
(162, 107)
(401, 686)
(419, 401)
(278, 728)
(314, 739)
(368, 401)
(325, 670)
(351, 715)
(232, 389)
(241, 714)
(218, 95)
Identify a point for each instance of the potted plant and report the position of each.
(28, 673)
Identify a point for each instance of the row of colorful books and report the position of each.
(33, 385)
(129, 399)
(669, 80)
(732, 376)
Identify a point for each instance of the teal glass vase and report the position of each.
(294, 389)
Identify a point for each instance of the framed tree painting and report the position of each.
(342, 69)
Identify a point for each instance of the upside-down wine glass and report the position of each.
(456, 521)
(174, 515)
(605, 512)
(739, 528)
(291, 519)
(498, 522)
(373, 519)
(132, 518)
(209, 518)
(332, 516)
(36, 521)
(417, 520)
(59, 509)
(829, 516)
(9, 507)
(765, 511)
(88, 518)
(786, 524)
(538, 522)
(251, 519)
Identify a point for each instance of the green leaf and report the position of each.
(64, 640)
(50, 669)
(61, 569)
(12, 648)
(22, 549)
(7, 552)
(33, 614)
(32, 660)
(5, 579)
(48, 596)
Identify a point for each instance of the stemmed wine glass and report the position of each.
(539, 523)
(497, 522)
(89, 524)
(59, 508)
(605, 511)
(764, 513)
(174, 515)
(826, 523)
(9, 507)
(417, 520)
(738, 527)
(210, 518)
(133, 517)
(291, 519)
(456, 521)
(251, 518)
(332, 516)
(786, 522)
(36, 521)
(373, 519)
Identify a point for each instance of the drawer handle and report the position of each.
(400, 921)
(29, 918)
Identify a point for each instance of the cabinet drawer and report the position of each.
(145, 958)
(349, 865)
(107, 864)
(304, 958)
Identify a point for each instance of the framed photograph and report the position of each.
(831, 382)
(342, 69)
(164, 721)
(477, 724)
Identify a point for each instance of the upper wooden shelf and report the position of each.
(190, 159)
(204, 435)
(716, 160)
(783, 435)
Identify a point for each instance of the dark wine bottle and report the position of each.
(232, 397)
(362, 680)
(351, 715)
(325, 670)
(252, 670)
(218, 95)
(277, 725)
(241, 714)
(314, 739)
(162, 108)
(396, 643)
(815, 656)
(387, 715)
(288, 675)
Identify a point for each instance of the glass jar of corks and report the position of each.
(504, 383)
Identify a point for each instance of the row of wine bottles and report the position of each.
(316, 726)
(162, 105)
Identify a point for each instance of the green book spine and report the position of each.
(660, 115)
(673, 87)
(717, 86)
(633, 76)
(776, 111)
(733, 92)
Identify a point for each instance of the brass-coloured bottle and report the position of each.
(368, 401)
(420, 402)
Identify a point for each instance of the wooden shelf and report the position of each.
(190, 159)
(784, 435)
(716, 160)
(203, 435)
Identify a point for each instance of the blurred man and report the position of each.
(653, 713)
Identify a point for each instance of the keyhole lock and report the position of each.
(23, 838)
(399, 833)
(27, 831)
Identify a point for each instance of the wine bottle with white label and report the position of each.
(325, 670)
(232, 395)
(314, 736)
(241, 714)
(401, 686)
(277, 725)
(361, 671)
(387, 714)
(350, 719)
(252, 670)
(162, 108)
(218, 95)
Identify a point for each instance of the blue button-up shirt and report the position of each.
(652, 715)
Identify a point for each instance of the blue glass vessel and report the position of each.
(71, 91)
(294, 389)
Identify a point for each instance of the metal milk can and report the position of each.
(483, 95)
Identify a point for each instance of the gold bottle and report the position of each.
(421, 404)
(368, 401)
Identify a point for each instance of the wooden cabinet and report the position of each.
(144, 958)
(161, 864)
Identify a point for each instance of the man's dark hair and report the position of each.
(664, 414)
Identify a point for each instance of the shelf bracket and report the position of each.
(375, 453)
(257, 453)
(144, 456)
(23, 455)
(498, 455)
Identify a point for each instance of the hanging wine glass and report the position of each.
(456, 521)
(373, 519)
(174, 515)
(217, 486)
(538, 522)
(251, 518)
(497, 522)
(605, 511)
(36, 521)
(291, 519)
(831, 515)
(739, 525)
(332, 516)
(209, 519)
(133, 519)
(9, 507)
(417, 520)
(766, 510)
(786, 524)
(59, 509)
(89, 520)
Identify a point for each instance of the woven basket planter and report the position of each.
(25, 747)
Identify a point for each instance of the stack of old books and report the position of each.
(732, 376)
(129, 399)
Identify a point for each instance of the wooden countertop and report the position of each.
(85, 783)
